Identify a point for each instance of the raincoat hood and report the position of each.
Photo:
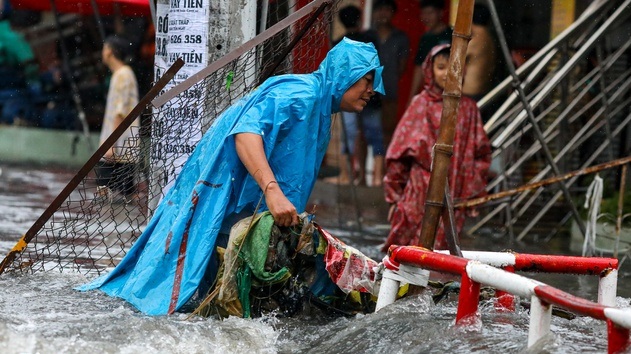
(343, 66)
(428, 72)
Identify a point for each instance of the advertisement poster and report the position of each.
(181, 32)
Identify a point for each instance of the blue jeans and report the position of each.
(369, 121)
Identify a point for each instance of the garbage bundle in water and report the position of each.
(266, 268)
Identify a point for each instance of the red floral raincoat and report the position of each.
(409, 160)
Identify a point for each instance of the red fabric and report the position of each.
(307, 55)
(409, 160)
(358, 274)
(84, 7)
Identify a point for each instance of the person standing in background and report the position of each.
(438, 32)
(116, 170)
(393, 47)
(18, 72)
(481, 56)
(363, 128)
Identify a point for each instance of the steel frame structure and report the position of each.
(548, 98)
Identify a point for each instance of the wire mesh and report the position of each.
(94, 227)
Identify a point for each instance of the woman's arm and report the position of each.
(252, 154)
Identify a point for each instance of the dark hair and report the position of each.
(385, 3)
(481, 15)
(439, 4)
(120, 46)
(350, 16)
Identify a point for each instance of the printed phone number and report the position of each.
(187, 38)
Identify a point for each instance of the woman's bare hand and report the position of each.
(283, 211)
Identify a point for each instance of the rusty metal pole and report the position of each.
(443, 148)
(530, 186)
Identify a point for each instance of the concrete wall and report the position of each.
(45, 146)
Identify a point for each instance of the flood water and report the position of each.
(41, 313)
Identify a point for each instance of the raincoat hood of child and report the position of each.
(429, 83)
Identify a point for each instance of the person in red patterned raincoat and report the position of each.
(409, 157)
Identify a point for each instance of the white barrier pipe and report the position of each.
(621, 317)
(496, 259)
(387, 290)
(540, 317)
(394, 274)
(607, 287)
(501, 279)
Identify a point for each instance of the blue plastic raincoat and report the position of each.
(292, 113)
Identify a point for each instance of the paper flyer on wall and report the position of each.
(181, 32)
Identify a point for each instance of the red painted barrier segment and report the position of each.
(505, 300)
(430, 260)
(618, 338)
(573, 303)
(468, 299)
(541, 263)
(564, 264)
(390, 263)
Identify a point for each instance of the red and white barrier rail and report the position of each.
(605, 268)
(474, 273)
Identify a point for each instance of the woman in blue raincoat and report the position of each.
(270, 143)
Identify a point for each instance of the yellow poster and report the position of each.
(562, 16)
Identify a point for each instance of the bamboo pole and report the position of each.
(443, 148)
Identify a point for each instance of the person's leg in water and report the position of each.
(361, 153)
(125, 179)
(348, 136)
(104, 171)
(373, 133)
(388, 119)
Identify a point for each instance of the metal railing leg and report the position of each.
(387, 291)
(607, 288)
(540, 317)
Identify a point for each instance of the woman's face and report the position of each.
(440, 67)
(358, 95)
